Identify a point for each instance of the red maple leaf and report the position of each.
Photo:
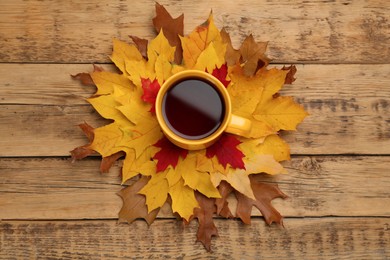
(151, 89)
(227, 152)
(221, 74)
(168, 155)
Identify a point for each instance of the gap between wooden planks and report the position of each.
(349, 108)
(309, 238)
(317, 186)
(306, 31)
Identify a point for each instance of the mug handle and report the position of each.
(239, 126)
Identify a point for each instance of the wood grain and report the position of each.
(45, 105)
(322, 238)
(306, 31)
(53, 188)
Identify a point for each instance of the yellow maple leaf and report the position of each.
(122, 52)
(140, 136)
(133, 166)
(106, 139)
(156, 191)
(195, 43)
(158, 65)
(239, 180)
(106, 81)
(264, 157)
(160, 46)
(183, 199)
(163, 68)
(246, 93)
(195, 179)
(106, 106)
(272, 144)
(272, 81)
(173, 176)
(209, 165)
(212, 57)
(280, 113)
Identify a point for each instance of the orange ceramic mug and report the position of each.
(194, 108)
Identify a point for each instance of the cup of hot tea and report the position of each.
(194, 108)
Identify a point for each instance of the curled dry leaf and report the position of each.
(204, 214)
(134, 204)
(264, 193)
(142, 45)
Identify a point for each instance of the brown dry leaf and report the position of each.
(142, 45)
(134, 204)
(172, 28)
(290, 75)
(253, 55)
(204, 214)
(84, 150)
(264, 193)
(223, 210)
(85, 78)
(108, 161)
(232, 55)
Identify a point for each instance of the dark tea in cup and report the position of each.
(193, 108)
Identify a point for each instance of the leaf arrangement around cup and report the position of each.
(196, 184)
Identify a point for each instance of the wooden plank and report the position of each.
(322, 238)
(348, 105)
(307, 31)
(53, 188)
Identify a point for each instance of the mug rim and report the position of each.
(193, 144)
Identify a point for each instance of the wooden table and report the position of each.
(339, 174)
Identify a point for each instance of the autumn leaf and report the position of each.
(195, 43)
(232, 55)
(84, 150)
(264, 193)
(238, 179)
(108, 161)
(160, 55)
(173, 28)
(155, 191)
(106, 82)
(151, 89)
(197, 180)
(133, 166)
(212, 57)
(221, 74)
(183, 200)
(123, 51)
(222, 204)
(85, 78)
(265, 156)
(272, 81)
(245, 92)
(290, 75)
(106, 139)
(225, 149)
(168, 155)
(134, 204)
(272, 144)
(142, 45)
(281, 113)
(204, 214)
(106, 106)
(253, 55)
